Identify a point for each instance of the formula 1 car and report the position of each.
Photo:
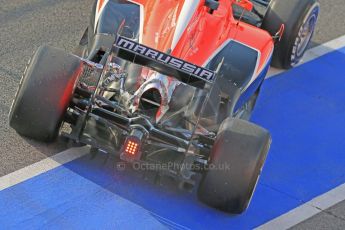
(169, 83)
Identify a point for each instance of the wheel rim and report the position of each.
(304, 36)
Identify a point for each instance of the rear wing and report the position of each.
(163, 63)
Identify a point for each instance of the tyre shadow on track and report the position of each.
(48, 149)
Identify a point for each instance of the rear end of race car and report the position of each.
(186, 138)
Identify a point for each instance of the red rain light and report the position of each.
(131, 147)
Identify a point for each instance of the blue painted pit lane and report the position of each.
(304, 109)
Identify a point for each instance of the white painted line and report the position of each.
(307, 210)
(291, 218)
(314, 53)
(327, 199)
(42, 167)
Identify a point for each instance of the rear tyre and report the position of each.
(235, 164)
(44, 94)
(299, 18)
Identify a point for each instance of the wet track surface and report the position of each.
(27, 24)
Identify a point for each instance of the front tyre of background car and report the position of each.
(300, 18)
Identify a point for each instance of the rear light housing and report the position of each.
(131, 149)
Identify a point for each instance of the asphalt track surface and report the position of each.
(27, 24)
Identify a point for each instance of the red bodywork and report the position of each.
(188, 29)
